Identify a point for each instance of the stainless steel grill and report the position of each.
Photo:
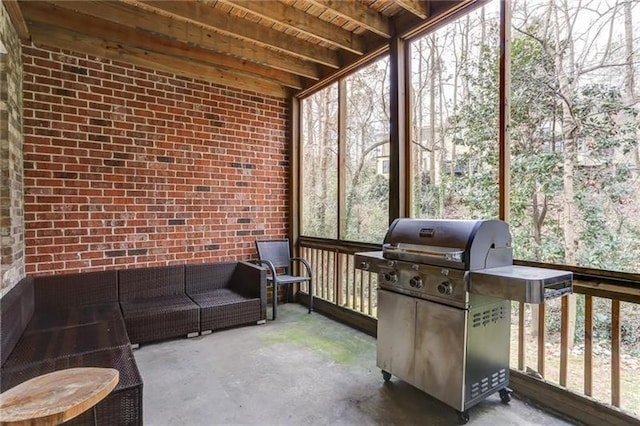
(444, 291)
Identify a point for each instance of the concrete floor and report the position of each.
(298, 370)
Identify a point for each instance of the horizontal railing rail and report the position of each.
(544, 341)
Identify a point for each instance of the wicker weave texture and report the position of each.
(16, 310)
(122, 407)
(51, 320)
(71, 291)
(160, 318)
(229, 294)
(119, 408)
(208, 276)
(144, 283)
(223, 308)
(67, 341)
(250, 280)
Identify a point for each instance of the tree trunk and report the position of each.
(418, 137)
(629, 78)
(324, 165)
(569, 127)
(432, 110)
(311, 154)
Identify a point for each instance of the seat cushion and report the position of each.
(288, 279)
(218, 297)
(70, 340)
(160, 318)
(223, 308)
(48, 320)
(154, 305)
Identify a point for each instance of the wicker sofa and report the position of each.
(66, 321)
(90, 319)
(228, 294)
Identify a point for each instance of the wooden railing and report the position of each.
(336, 279)
(588, 366)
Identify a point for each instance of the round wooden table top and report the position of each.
(56, 397)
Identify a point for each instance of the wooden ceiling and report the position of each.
(273, 47)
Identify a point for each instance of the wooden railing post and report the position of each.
(615, 352)
(522, 346)
(588, 345)
(541, 338)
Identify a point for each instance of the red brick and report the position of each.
(164, 138)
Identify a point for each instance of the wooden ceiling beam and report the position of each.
(62, 38)
(419, 8)
(224, 23)
(407, 25)
(300, 21)
(354, 11)
(130, 16)
(60, 18)
(15, 14)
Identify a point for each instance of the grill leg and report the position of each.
(463, 417)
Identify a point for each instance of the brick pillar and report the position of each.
(12, 250)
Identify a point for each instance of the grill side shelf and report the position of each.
(521, 283)
(369, 261)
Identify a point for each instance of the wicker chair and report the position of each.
(155, 305)
(275, 255)
(228, 294)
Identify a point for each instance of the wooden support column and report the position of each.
(295, 152)
(399, 129)
(505, 105)
(342, 158)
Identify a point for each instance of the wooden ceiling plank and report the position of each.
(300, 21)
(419, 8)
(366, 17)
(216, 19)
(188, 33)
(15, 14)
(65, 39)
(41, 12)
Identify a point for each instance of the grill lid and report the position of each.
(460, 244)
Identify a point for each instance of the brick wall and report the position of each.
(12, 263)
(128, 167)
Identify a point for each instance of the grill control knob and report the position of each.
(416, 282)
(445, 288)
(364, 266)
(391, 277)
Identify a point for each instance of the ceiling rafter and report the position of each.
(275, 46)
(63, 38)
(219, 21)
(15, 14)
(131, 16)
(364, 16)
(419, 8)
(106, 30)
(304, 23)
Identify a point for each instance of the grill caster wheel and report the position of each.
(463, 417)
(505, 396)
(386, 375)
